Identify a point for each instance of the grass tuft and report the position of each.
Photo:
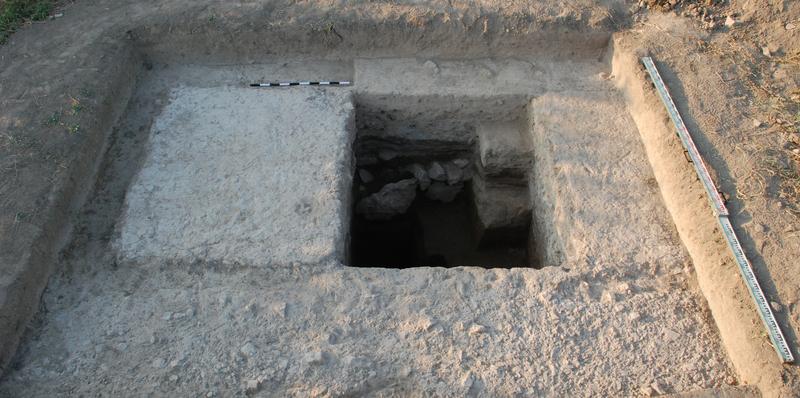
(14, 13)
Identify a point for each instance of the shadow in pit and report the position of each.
(435, 234)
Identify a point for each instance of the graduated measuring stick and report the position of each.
(302, 83)
(721, 211)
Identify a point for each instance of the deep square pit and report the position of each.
(441, 183)
(432, 233)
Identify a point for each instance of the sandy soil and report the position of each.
(622, 313)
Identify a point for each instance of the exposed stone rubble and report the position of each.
(440, 180)
(499, 174)
(443, 192)
(437, 172)
(420, 174)
(503, 211)
(503, 150)
(393, 199)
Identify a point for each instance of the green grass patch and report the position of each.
(15, 12)
(53, 120)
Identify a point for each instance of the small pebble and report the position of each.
(454, 173)
(252, 386)
(279, 309)
(173, 378)
(333, 338)
(365, 176)
(608, 297)
(314, 358)
(756, 123)
(461, 162)
(657, 388)
(468, 380)
(775, 306)
(476, 329)
(431, 66)
(790, 26)
(248, 350)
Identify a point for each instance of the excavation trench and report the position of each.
(536, 163)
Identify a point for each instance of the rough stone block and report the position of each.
(503, 212)
(504, 149)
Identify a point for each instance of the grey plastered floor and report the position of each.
(157, 316)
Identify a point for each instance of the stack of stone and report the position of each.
(440, 180)
(500, 183)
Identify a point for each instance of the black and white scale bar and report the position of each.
(287, 84)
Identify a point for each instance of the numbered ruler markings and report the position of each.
(686, 138)
(745, 268)
(764, 310)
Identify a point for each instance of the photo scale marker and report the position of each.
(303, 83)
(721, 211)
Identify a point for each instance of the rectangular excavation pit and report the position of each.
(606, 253)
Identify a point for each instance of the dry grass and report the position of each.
(777, 170)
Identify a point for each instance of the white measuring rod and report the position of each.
(721, 211)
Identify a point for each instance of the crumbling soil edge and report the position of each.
(734, 312)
